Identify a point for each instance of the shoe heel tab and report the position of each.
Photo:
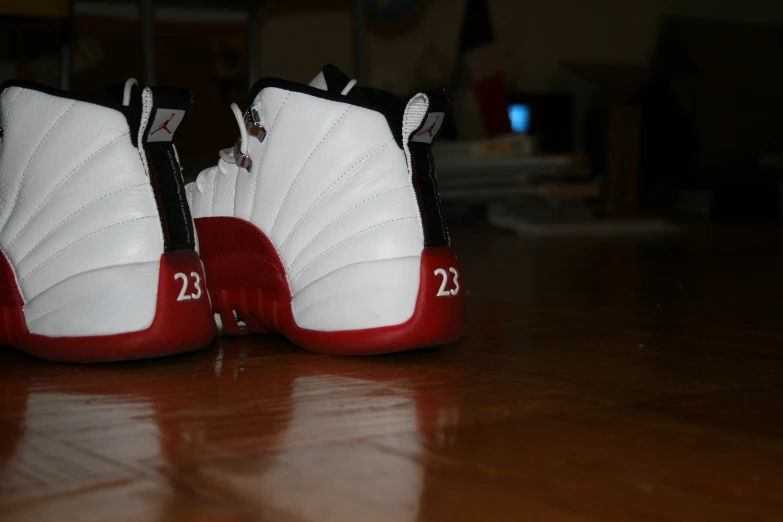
(422, 121)
(163, 111)
(424, 116)
(162, 114)
(408, 116)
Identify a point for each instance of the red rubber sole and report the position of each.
(246, 278)
(179, 325)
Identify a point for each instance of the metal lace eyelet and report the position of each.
(254, 128)
(242, 160)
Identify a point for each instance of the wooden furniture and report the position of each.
(253, 10)
(50, 9)
(622, 160)
(47, 8)
(608, 125)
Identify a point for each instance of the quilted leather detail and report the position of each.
(78, 219)
(332, 190)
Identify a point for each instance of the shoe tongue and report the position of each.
(330, 79)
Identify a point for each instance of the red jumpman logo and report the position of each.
(165, 125)
(432, 128)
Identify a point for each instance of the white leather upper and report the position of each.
(78, 219)
(332, 190)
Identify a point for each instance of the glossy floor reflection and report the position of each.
(601, 380)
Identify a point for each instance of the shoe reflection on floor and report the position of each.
(321, 437)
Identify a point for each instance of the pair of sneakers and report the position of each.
(323, 223)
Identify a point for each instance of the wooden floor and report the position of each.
(601, 380)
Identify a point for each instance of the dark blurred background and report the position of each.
(564, 111)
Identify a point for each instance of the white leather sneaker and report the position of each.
(97, 257)
(323, 223)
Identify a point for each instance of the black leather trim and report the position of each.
(391, 106)
(425, 183)
(166, 174)
(169, 188)
(425, 180)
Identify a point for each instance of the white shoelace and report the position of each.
(348, 87)
(129, 83)
(227, 155)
